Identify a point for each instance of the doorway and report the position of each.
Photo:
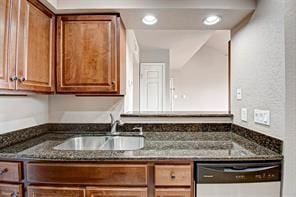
(152, 86)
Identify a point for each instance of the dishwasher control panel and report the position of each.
(238, 172)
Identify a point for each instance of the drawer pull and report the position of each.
(3, 171)
(14, 194)
(173, 176)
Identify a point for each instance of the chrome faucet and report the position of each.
(114, 124)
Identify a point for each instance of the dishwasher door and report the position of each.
(268, 189)
(238, 180)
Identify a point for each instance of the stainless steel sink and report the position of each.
(102, 143)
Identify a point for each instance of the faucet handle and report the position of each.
(140, 130)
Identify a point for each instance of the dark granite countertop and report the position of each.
(199, 146)
(177, 114)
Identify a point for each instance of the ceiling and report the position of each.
(182, 44)
(171, 14)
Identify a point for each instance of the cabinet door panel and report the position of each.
(8, 24)
(9, 190)
(35, 191)
(35, 48)
(171, 192)
(87, 54)
(116, 192)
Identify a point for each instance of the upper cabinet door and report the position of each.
(35, 48)
(87, 54)
(8, 20)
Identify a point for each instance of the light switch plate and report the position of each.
(262, 116)
(239, 95)
(244, 114)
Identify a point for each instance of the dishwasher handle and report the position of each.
(233, 170)
(237, 173)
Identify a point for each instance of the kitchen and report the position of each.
(201, 96)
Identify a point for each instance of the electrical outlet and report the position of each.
(262, 116)
(239, 94)
(244, 114)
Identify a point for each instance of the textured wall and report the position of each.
(258, 67)
(290, 138)
(202, 80)
(18, 112)
(73, 109)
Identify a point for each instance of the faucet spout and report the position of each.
(114, 124)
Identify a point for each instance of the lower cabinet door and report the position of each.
(40, 191)
(9, 190)
(173, 192)
(116, 192)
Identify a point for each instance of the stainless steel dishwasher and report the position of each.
(238, 179)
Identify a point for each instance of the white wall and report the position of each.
(264, 65)
(73, 109)
(290, 135)
(258, 67)
(18, 112)
(131, 102)
(159, 56)
(202, 80)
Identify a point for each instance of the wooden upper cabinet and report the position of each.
(89, 54)
(8, 21)
(35, 48)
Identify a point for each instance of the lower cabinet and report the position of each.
(40, 191)
(10, 190)
(116, 192)
(172, 192)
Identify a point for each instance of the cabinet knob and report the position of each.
(173, 176)
(22, 79)
(3, 171)
(14, 78)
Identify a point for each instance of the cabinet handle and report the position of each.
(3, 171)
(113, 83)
(14, 78)
(14, 194)
(22, 79)
(173, 176)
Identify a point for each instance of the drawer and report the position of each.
(10, 171)
(43, 191)
(87, 174)
(173, 192)
(173, 175)
(9, 190)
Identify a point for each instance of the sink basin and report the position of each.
(102, 143)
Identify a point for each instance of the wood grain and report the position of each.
(9, 190)
(10, 171)
(116, 192)
(88, 174)
(173, 192)
(87, 53)
(41, 191)
(173, 175)
(8, 32)
(35, 57)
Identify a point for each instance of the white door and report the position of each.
(152, 86)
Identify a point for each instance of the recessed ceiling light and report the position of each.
(212, 20)
(149, 20)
